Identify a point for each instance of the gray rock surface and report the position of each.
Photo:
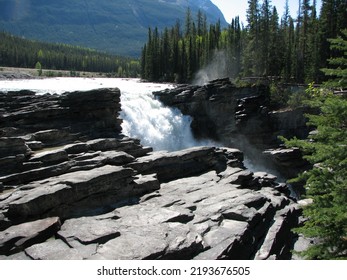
(240, 117)
(19, 237)
(78, 189)
(215, 107)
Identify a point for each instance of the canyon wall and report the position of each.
(241, 117)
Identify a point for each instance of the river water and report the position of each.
(143, 117)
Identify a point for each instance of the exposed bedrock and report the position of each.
(240, 117)
(73, 187)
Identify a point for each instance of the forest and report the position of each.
(19, 52)
(291, 49)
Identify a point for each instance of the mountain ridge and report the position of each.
(113, 26)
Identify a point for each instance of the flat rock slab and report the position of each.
(24, 235)
(49, 157)
(104, 158)
(56, 249)
(175, 165)
(89, 230)
(69, 188)
(163, 241)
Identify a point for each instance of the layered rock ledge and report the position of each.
(73, 187)
(241, 117)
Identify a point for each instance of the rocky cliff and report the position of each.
(73, 187)
(241, 117)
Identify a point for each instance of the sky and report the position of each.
(233, 8)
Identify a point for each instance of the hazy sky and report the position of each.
(233, 8)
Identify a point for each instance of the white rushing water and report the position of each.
(143, 117)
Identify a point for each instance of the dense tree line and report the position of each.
(19, 52)
(294, 49)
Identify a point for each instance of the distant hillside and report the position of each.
(115, 26)
(24, 53)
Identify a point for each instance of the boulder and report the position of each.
(11, 164)
(12, 146)
(288, 161)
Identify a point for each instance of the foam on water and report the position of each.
(143, 117)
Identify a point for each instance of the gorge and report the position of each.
(76, 184)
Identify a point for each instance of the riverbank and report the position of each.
(14, 73)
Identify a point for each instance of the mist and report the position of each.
(216, 69)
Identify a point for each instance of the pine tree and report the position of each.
(264, 24)
(313, 44)
(148, 69)
(338, 70)
(328, 29)
(341, 17)
(287, 29)
(276, 42)
(251, 58)
(188, 23)
(302, 39)
(326, 181)
(326, 151)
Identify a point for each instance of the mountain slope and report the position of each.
(116, 26)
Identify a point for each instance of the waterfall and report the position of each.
(154, 124)
(143, 117)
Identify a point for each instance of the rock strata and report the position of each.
(76, 188)
(217, 107)
(239, 117)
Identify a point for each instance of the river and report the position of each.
(143, 117)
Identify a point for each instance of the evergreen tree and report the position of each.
(287, 29)
(302, 40)
(341, 16)
(149, 67)
(314, 41)
(326, 151)
(188, 22)
(265, 34)
(338, 70)
(251, 59)
(331, 21)
(276, 42)
(326, 181)
(201, 23)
